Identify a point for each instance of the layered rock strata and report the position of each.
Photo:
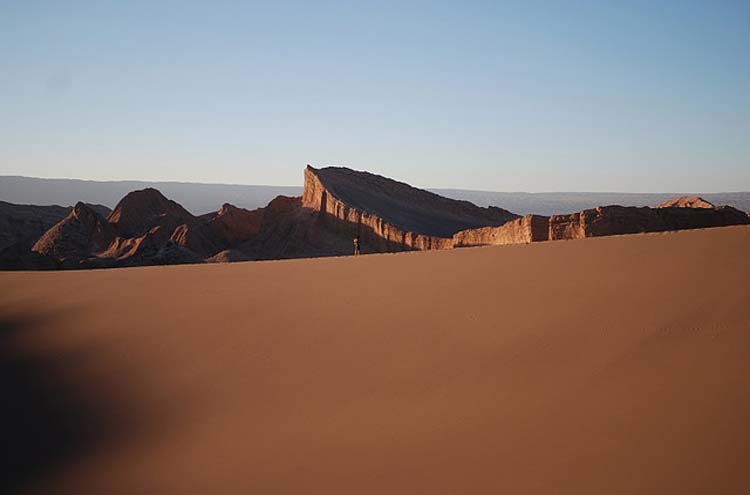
(602, 221)
(388, 215)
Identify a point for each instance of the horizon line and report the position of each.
(427, 188)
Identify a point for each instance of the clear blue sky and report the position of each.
(508, 96)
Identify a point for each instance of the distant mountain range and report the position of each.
(340, 211)
(196, 198)
(200, 198)
(556, 203)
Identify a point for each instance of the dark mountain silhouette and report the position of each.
(76, 237)
(22, 225)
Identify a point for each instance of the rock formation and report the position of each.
(76, 237)
(24, 224)
(21, 226)
(289, 230)
(144, 229)
(231, 226)
(388, 215)
(197, 237)
(602, 221)
(20, 257)
(686, 202)
(530, 228)
(228, 256)
(140, 211)
(337, 205)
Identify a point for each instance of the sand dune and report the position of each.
(606, 365)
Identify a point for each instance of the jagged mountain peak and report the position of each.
(687, 202)
(139, 211)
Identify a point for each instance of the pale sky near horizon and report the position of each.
(509, 96)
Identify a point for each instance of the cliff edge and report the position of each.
(391, 214)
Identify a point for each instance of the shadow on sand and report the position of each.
(46, 420)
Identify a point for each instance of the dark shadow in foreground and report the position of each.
(46, 420)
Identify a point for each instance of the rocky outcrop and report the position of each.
(686, 202)
(228, 256)
(531, 228)
(602, 221)
(140, 211)
(388, 215)
(76, 237)
(290, 230)
(24, 224)
(20, 227)
(138, 249)
(196, 237)
(19, 257)
(228, 228)
(146, 228)
(614, 220)
(338, 205)
(171, 253)
(231, 226)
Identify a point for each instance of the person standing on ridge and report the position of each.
(356, 246)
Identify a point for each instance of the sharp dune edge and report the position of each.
(607, 365)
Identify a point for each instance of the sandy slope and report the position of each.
(610, 365)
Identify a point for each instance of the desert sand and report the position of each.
(606, 365)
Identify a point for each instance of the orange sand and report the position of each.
(601, 366)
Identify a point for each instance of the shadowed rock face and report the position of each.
(197, 237)
(77, 236)
(140, 211)
(145, 229)
(18, 257)
(411, 209)
(226, 229)
(26, 223)
(232, 226)
(386, 212)
(21, 226)
(152, 226)
(148, 229)
(290, 230)
(228, 256)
